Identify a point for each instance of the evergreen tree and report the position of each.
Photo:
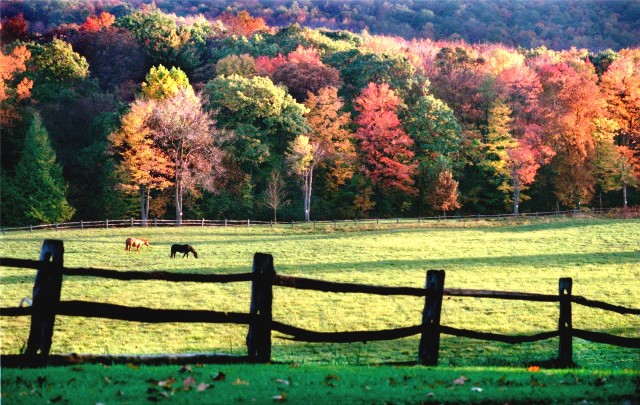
(38, 188)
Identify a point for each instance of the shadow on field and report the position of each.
(553, 225)
(541, 260)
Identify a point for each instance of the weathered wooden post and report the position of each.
(565, 350)
(259, 336)
(45, 299)
(430, 338)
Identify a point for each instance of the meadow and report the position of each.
(602, 257)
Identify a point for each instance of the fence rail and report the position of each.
(47, 305)
(137, 223)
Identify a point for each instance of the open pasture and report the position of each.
(602, 257)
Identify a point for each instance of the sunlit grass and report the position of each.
(602, 257)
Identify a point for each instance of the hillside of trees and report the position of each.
(286, 110)
(555, 24)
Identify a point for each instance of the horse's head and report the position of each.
(195, 254)
(145, 242)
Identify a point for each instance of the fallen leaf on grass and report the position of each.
(188, 382)
(461, 380)
(166, 383)
(281, 381)
(132, 366)
(220, 376)
(203, 387)
(476, 389)
(240, 382)
(533, 369)
(185, 369)
(280, 398)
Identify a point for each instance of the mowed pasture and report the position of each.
(602, 257)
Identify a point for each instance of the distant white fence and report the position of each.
(137, 223)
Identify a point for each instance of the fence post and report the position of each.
(202, 223)
(259, 336)
(106, 223)
(45, 299)
(430, 338)
(565, 350)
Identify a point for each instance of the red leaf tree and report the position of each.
(383, 146)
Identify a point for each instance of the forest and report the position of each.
(316, 110)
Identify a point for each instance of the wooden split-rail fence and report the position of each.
(47, 303)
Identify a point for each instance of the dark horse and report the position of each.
(183, 249)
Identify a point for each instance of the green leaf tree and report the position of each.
(38, 190)
(54, 67)
(437, 141)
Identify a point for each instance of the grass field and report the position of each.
(602, 256)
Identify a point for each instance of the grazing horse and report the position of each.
(136, 243)
(183, 249)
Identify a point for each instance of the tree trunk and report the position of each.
(308, 196)
(516, 197)
(624, 195)
(178, 202)
(144, 203)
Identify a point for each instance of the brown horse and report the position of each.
(136, 243)
(183, 249)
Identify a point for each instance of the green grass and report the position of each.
(313, 384)
(602, 256)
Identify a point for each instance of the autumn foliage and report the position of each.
(365, 124)
(383, 145)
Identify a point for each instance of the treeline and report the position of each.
(148, 114)
(556, 24)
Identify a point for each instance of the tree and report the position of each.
(300, 157)
(243, 24)
(523, 162)
(437, 140)
(187, 135)
(15, 92)
(303, 77)
(241, 65)
(275, 194)
(571, 101)
(98, 22)
(37, 192)
(114, 55)
(55, 67)
(445, 194)
(383, 146)
(164, 41)
(329, 132)
(15, 28)
(143, 166)
(264, 119)
(621, 87)
(162, 83)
